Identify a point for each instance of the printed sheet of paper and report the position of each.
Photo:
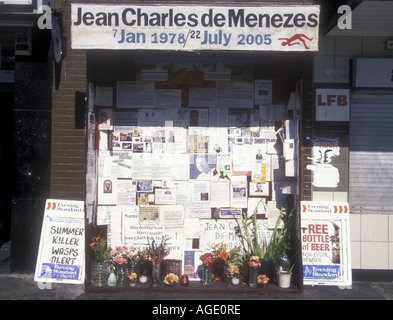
(173, 217)
(220, 194)
(165, 196)
(239, 194)
(241, 157)
(126, 192)
(142, 164)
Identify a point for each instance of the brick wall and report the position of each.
(68, 142)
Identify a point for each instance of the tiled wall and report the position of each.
(371, 234)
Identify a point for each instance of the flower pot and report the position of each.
(235, 281)
(142, 279)
(284, 279)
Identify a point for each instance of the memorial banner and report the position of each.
(185, 28)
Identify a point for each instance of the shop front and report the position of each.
(193, 122)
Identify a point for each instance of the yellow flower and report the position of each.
(262, 279)
(171, 278)
(132, 276)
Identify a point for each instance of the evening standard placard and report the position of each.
(325, 243)
(188, 28)
(62, 246)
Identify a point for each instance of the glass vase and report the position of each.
(206, 275)
(252, 277)
(135, 267)
(98, 274)
(156, 275)
(122, 271)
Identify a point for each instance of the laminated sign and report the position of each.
(325, 243)
(62, 245)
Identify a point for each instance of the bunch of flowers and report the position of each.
(232, 270)
(171, 279)
(220, 252)
(140, 256)
(132, 277)
(235, 257)
(157, 253)
(254, 262)
(207, 259)
(98, 244)
(262, 280)
(121, 255)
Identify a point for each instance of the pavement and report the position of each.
(23, 287)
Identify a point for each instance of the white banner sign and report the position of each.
(61, 253)
(187, 28)
(325, 243)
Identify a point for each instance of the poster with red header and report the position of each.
(61, 255)
(325, 243)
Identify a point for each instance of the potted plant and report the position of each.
(282, 249)
(284, 277)
(232, 265)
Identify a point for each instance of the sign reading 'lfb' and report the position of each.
(187, 28)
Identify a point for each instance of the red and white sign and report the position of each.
(61, 255)
(325, 239)
(332, 104)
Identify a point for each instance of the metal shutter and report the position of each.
(371, 154)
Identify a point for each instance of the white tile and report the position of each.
(374, 227)
(354, 225)
(344, 63)
(326, 45)
(348, 46)
(355, 254)
(374, 255)
(340, 196)
(390, 227)
(391, 255)
(375, 47)
(322, 196)
(320, 63)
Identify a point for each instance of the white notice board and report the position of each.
(326, 243)
(61, 254)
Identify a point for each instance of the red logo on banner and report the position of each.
(51, 206)
(340, 209)
(295, 40)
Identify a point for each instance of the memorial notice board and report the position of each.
(184, 152)
(326, 243)
(61, 255)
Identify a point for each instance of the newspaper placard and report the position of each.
(325, 243)
(61, 255)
